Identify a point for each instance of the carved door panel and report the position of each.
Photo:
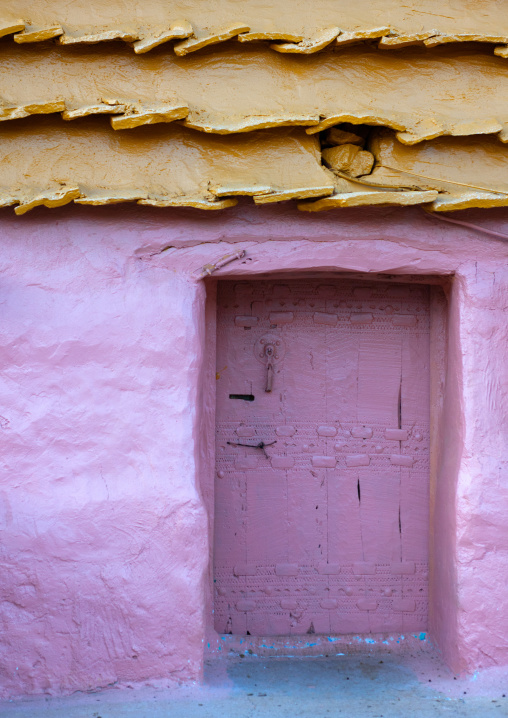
(322, 482)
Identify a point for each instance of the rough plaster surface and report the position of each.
(102, 540)
(103, 531)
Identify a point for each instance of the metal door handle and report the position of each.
(261, 445)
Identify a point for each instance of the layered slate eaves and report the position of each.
(287, 26)
(237, 119)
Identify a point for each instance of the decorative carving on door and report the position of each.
(322, 452)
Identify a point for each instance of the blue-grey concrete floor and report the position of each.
(357, 686)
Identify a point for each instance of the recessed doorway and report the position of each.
(322, 457)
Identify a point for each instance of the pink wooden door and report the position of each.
(325, 530)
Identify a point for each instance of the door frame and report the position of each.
(445, 441)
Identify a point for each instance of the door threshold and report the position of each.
(318, 646)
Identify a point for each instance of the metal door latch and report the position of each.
(270, 350)
(269, 353)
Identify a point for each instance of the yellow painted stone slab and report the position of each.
(466, 171)
(50, 163)
(350, 193)
(421, 94)
(305, 25)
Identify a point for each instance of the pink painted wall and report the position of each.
(103, 530)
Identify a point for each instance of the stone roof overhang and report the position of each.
(238, 119)
(421, 94)
(47, 163)
(287, 26)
